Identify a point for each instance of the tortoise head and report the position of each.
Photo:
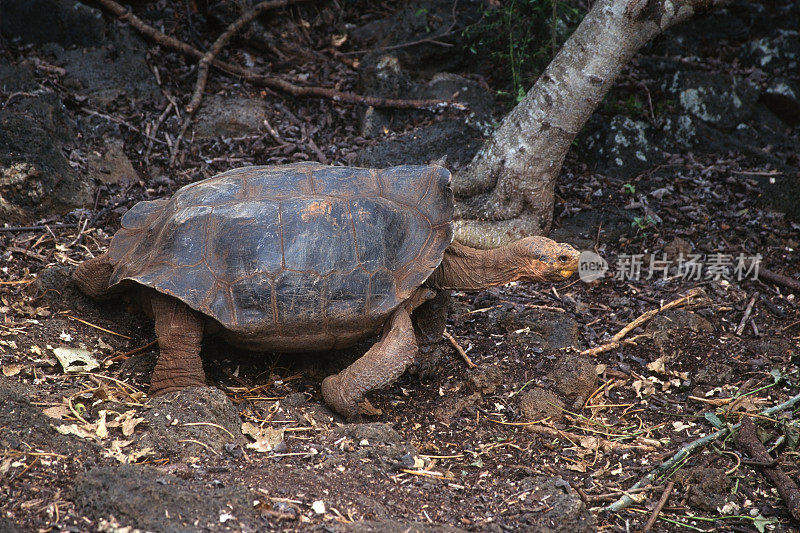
(543, 259)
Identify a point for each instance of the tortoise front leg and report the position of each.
(382, 364)
(180, 334)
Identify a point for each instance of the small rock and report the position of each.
(676, 248)
(575, 377)
(111, 165)
(229, 116)
(782, 97)
(563, 510)
(485, 379)
(548, 330)
(297, 399)
(707, 488)
(538, 403)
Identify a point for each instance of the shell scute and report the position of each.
(300, 253)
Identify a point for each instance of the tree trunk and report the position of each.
(506, 192)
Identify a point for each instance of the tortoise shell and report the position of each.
(295, 257)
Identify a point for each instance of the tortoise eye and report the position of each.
(563, 258)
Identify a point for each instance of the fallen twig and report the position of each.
(687, 450)
(607, 347)
(749, 442)
(460, 350)
(37, 228)
(661, 503)
(205, 62)
(269, 81)
(746, 315)
(95, 326)
(125, 355)
(616, 340)
(779, 279)
(29, 253)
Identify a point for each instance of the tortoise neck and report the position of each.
(470, 269)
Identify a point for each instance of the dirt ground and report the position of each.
(540, 436)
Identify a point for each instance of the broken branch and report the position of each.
(269, 81)
(687, 450)
(461, 351)
(616, 340)
(749, 442)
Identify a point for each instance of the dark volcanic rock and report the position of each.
(451, 138)
(537, 403)
(707, 488)
(575, 377)
(66, 22)
(117, 68)
(624, 147)
(35, 177)
(722, 100)
(564, 511)
(149, 499)
(542, 329)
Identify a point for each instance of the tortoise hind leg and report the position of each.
(92, 276)
(383, 363)
(430, 321)
(180, 334)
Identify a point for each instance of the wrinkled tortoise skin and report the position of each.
(299, 257)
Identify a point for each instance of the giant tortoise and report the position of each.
(303, 258)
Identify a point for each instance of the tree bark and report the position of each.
(507, 190)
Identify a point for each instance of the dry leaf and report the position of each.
(643, 387)
(338, 40)
(12, 370)
(74, 429)
(100, 427)
(657, 365)
(367, 408)
(265, 438)
(59, 412)
(75, 359)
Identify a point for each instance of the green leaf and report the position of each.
(777, 375)
(760, 522)
(715, 420)
(477, 463)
